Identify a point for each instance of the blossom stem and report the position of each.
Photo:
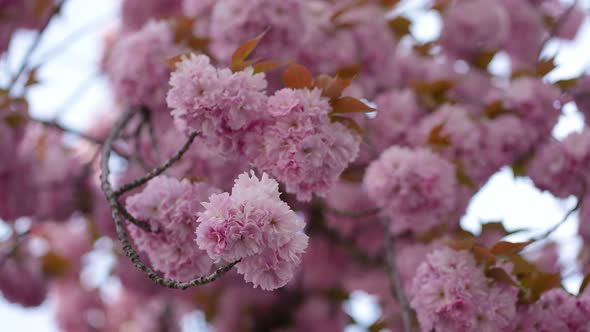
(394, 277)
(118, 217)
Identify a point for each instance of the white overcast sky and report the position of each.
(516, 202)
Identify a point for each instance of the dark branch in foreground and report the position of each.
(397, 288)
(118, 216)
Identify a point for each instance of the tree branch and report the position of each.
(118, 218)
(158, 170)
(397, 289)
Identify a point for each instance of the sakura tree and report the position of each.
(266, 158)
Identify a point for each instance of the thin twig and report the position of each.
(25, 62)
(397, 289)
(158, 170)
(18, 239)
(122, 232)
(561, 222)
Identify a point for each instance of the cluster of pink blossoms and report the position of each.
(450, 292)
(220, 106)
(563, 167)
(253, 226)
(303, 148)
(142, 80)
(415, 188)
(171, 207)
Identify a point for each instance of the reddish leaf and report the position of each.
(348, 71)
(544, 67)
(297, 77)
(172, 61)
(567, 83)
(244, 50)
(266, 66)
(462, 177)
(483, 255)
(242, 65)
(350, 105)
(466, 244)
(54, 265)
(496, 109)
(348, 122)
(483, 59)
(15, 120)
(584, 284)
(437, 138)
(32, 77)
(501, 275)
(509, 248)
(543, 282)
(331, 87)
(389, 3)
(400, 26)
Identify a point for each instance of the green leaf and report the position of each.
(297, 76)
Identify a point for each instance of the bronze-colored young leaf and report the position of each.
(350, 105)
(544, 67)
(542, 282)
(436, 137)
(506, 248)
(483, 255)
(54, 265)
(352, 5)
(389, 3)
(400, 26)
(348, 72)
(332, 87)
(466, 244)
(584, 284)
(172, 61)
(32, 77)
(297, 76)
(267, 66)
(500, 275)
(463, 177)
(15, 120)
(348, 122)
(567, 84)
(496, 109)
(245, 49)
(483, 59)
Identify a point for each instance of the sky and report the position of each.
(72, 87)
